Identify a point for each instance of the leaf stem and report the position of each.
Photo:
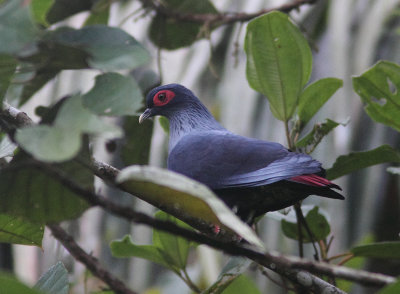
(346, 259)
(188, 281)
(288, 137)
(339, 256)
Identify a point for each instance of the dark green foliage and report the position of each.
(346, 164)
(169, 33)
(317, 223)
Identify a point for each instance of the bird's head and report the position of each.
(168, 99)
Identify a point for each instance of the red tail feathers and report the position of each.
(314, 180)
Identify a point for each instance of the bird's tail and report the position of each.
(319, 185)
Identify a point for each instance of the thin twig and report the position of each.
(224, 18)
(189, 282)
(89, 261)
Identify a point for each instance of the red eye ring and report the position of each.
(163, 97)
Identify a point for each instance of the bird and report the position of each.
(251, 176)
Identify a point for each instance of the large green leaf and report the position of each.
(316, 222)
(55, 280)
(33, 194)
(184, 198)
(96, 46)
(19, 231)
(37, 196)
(314, 96)
(114, 94)
(346, 164)
(18, 32)
(170, 33)
(63, 140)
(12, 286)
(107, 48)
(279, 61)
(126, 248)
(379, 89)
(389, 250)
(8, 65)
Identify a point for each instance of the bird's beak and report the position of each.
(146, 114)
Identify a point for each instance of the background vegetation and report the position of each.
(80, 69)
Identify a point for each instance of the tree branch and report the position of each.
(89, 261)
(219, 19)
(288, 266)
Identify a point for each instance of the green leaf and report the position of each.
(183, 198)
(65, 8)
(107, 48)
(175, 249)
(14, 286)
(233, 270)
(389, 250)
(391, 289)
(8, 64)
(49, 144)
(170, 33)
(126, 248)
(319, 131)
(114, 94)
(379, 89)
(137, 140)
(15, 230)
(39, 197)
(243, 284)
(63, 140)
(346, 164)
(279, 61)
(314, 96)
(18, 32)
(317, 223)
(40, 9)
(55, 280)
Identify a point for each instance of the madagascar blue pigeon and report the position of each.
(251, 176)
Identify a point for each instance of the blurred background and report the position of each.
(347, 37)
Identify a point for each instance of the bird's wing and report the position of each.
(221, 159)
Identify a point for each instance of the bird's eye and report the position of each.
(162, 97)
